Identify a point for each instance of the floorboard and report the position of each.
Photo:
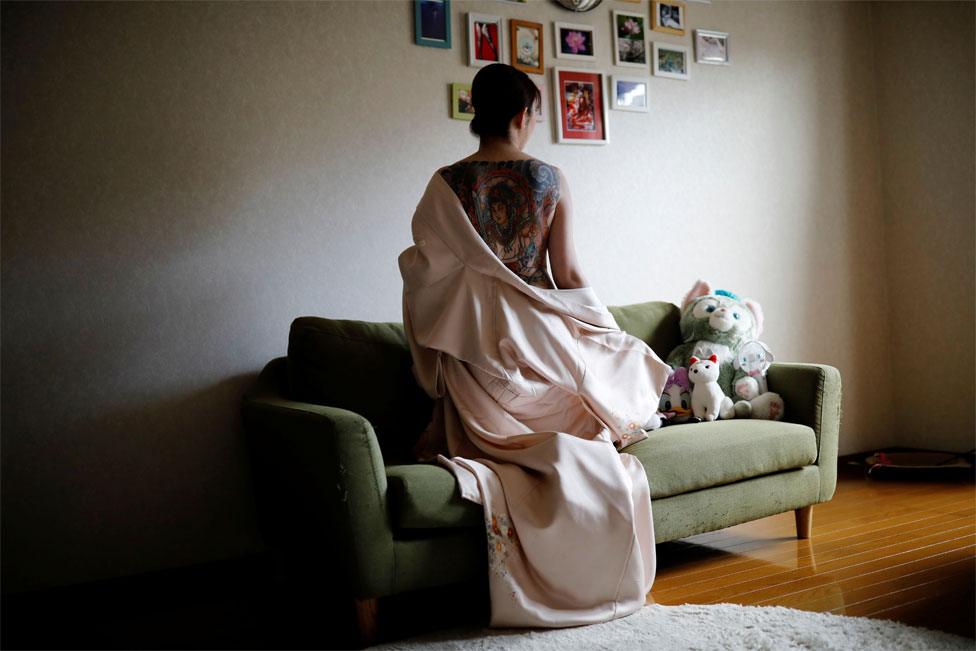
(891, 549)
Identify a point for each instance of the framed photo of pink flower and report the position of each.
(485, 40)
(629, 39)
(574, 41)
(579, 107)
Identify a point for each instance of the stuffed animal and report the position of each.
(675, 403)
(719, 323)
(707, 399)
(753, 358)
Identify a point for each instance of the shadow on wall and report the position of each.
(845, 301)
(116, 496)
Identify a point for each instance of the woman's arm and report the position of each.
(566, 272)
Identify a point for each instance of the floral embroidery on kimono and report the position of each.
(501, 540)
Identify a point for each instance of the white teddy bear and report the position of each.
(707, 399)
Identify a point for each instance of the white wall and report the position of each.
(182, 180)
(927, 110)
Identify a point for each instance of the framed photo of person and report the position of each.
(629, 39)
(712, 47)
(574, 41)
(670, 60)
(485, 40)
(432, 23)
(628, 93)
(580, 107)
(461, 106)
(527, 47)
(668, 16)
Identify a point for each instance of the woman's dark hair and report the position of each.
(499, 92)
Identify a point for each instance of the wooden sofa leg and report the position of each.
(367, 619)
(804, 521)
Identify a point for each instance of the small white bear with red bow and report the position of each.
(707, 399)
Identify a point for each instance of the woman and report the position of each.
(535, 385)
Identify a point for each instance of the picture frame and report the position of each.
(670, 60)
(668, 16)
(629, 39)
(486, 40)
(461, 106)
(712, 47)
(629, 93)
(574, 41)
(527, 45)
(580, 106)
(540, 113)
(432, 23)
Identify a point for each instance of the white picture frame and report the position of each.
(559, 29)
(595, 78)
(540, 83)
(712, 47)
(669, 68)
(619, 101)
(640, 23)
(476, 44)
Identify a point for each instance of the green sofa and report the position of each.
(330, 428)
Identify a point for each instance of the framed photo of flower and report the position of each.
(461, 106)
(628, 93)
(670, 60)
(712, 47)
(668, 16)
(527, 45)
(432, 23)
(629, 39)
(580, 107)
(574, 41)
(485, 40)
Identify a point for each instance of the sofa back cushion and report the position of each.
(656, 323)
(363, 367)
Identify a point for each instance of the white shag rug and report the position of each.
(700, 628)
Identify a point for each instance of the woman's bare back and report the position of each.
(511, 204)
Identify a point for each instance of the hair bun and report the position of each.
(499, 92)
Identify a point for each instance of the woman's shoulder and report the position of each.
(536, 170)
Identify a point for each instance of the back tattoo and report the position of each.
(510, 204)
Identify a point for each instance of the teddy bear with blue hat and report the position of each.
(719, 323)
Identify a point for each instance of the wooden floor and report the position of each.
(896, 550)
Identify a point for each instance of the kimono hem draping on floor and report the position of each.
(535, 392)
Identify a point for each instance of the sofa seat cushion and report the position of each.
(683, 458)
(426, 496)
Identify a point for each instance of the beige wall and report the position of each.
(181, 180)
(924, 58)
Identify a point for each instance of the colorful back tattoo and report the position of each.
(511, 205)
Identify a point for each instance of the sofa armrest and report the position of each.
(320, 483)
(812, 396)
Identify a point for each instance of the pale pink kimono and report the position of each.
(535, 391)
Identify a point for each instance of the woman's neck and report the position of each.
(498, 149)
